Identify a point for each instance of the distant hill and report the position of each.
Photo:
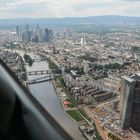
(99, 20)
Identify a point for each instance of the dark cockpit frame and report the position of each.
(21, 116)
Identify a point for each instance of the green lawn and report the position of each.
(71, 105)
(74, 115)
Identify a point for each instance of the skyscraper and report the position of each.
(83, 41)
(27, 28)
(48, 35)
(17, 30)
(28, 34)
(39, 34)
(130, 102)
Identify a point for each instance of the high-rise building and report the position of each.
(39, 33)
(23, 37)
(17, 30)
(48, 36)
(85, 67)
(83, 41)
(34, 34)
(28, 33)
(27, 28)
(130, 102)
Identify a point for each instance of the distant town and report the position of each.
(95, 72)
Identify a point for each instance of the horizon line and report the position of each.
(69, 17)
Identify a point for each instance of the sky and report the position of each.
(67, 8)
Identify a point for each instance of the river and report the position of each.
(45, 94)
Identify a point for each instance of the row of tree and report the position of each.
(107, 66)
(28, 59)
(88, 58)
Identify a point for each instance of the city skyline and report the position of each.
(73, 8)
(92, 63)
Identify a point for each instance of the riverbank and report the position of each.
(63, 96)
(45, 94)
(61, 99)
(86, 127)
(70, 107)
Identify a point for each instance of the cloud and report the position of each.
(67, 8)
(131, 0)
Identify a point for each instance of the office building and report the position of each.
(83, 41)
(37, 34)
(130, 102)
(48, 36)
(17, 30)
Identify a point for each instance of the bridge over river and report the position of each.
(39, 60)
(46, 95)
(50, 72)
(42, 79)
(38, 72)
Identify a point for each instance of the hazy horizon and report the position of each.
(15, 9)
(68, 17)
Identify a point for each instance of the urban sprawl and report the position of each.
(98, 74)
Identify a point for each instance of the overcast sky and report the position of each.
(67, 8)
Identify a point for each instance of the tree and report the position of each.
(30, 62)
(88, 58)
